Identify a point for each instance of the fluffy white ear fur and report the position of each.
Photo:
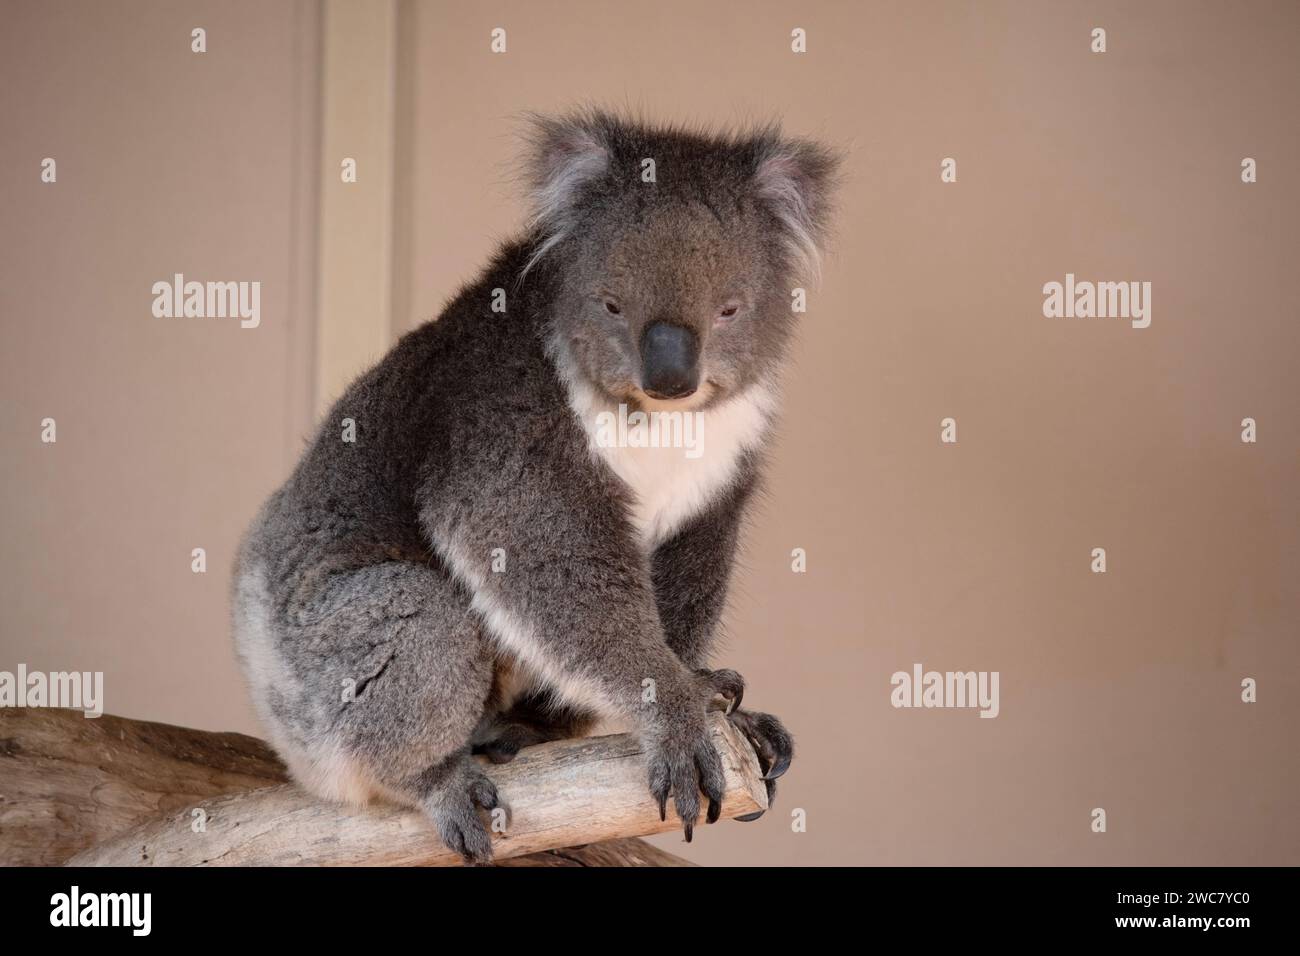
(563, 155)
(794, 177)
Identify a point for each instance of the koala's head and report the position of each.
(676, 253)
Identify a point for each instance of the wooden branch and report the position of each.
(68, 782)
(560, 794)
(112, 790)
(630, 852)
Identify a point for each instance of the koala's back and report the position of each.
(444, 395)
(454, 400)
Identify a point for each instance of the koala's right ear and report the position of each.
(562, 154)
(796, 178)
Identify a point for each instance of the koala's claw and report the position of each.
(684, 768)
(727, 684)
(715, 811)
(454, 809)
(772, 744)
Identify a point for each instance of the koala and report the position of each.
(466, 566)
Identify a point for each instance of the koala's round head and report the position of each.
(676, 252)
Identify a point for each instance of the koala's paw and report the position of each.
(726, 684)
(773, 745)
(454, 808)
(683, 762)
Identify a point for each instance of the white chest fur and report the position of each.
(676, 480)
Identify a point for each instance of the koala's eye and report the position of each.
(728, 311)
(612, 308)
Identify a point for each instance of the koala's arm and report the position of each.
(575, 600)
(691, 571)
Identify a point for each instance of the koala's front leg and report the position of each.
(690, 572)
(558, 578)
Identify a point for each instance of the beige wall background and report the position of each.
(169, 430)
(1119, 691)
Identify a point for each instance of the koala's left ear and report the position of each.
(563, 155)
(797, 179)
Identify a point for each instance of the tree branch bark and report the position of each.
(68, 782)
(121, 792)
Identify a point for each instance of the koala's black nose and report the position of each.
(670, 357)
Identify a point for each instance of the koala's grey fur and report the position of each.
(382, 647)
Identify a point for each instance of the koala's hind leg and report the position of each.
(394, 675)
(532, 719)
